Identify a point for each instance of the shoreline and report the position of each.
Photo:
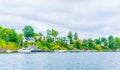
(60, 51)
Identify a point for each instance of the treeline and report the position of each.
(11, 40)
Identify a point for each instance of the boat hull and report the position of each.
(24, 51)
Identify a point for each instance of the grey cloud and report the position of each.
(90, 17)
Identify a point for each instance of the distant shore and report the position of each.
(61, 51)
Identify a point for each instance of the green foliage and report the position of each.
(112, 42)
(70, 36)
(76, 36)
(98, 48)
(12, 46)
(78, 45)
(20, 40)
(49, 33)
(2, 44)
(50, 40)
(10, 40)
(62, 44)
(40, 34)
(91, 44)
(9, 35)
(28, 31)
(118, 42)
(104, 41)
(97, 41)
(54, 33)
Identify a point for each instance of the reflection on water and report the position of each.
(61, 61)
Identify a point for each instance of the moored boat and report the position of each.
(24, 50)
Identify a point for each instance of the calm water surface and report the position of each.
(61, 61)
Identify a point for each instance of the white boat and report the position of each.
(24, 50)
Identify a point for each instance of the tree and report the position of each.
(98, 48)
(78, 45)
(98, 41)
(76, 36)
(0, 31)
(40, 34)
(20, 40)
(70, 36)
(28, 31)
(91, 45)
(117, 39)
(50, 40)
(103, 39)
(49, 33)
(9, 35)
(104, 42)
(12, 36)
(54, 33)
(85, 43)
(112, 42)
(2, 44)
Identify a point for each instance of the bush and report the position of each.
(12, 46)
(2, 44)
(98, 48)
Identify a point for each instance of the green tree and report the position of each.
(104, 42)
(9, 35)
(85, 44)
(98, 41)
(76, 36)
(70, 36)
(40, 34)
(20, 40)
(98, 48)
(50, 40)
(54, 33)
(117, 39)
(49, 33)
(111, 42)
(1, 31)
(12, 36)
(2, 44)
(78, 45)
(28, 31)
(91, 44)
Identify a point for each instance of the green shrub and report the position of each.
(98, 48)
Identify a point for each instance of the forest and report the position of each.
(11, 40)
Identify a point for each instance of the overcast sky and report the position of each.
(89, 18)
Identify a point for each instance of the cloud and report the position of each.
(90, 18)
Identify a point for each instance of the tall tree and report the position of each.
(117, 39)
(54, 33)
(49, 33)
(70, 36)
(12, 35)
(1, 31)
(104, 42)
(40, 34)
(76, 36)
(28, 31)
(112, 42)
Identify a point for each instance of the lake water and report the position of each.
(61, 61)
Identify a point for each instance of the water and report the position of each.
(61, 61)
